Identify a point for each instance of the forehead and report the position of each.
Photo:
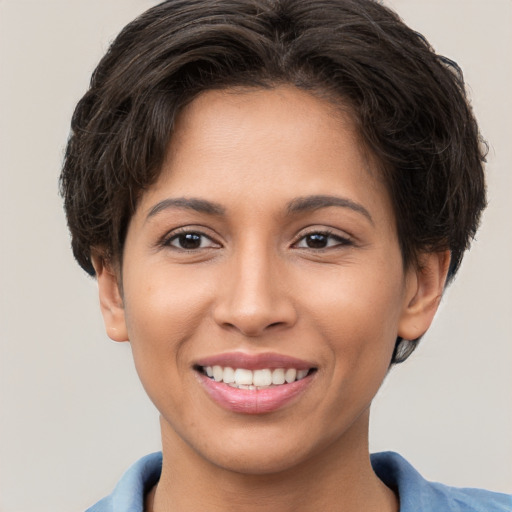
(265, 145)
(240, 116)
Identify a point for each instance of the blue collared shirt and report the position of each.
(416, 494)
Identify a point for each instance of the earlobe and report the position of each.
(111, 301)
(424, 290)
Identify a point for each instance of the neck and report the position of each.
(340, 477)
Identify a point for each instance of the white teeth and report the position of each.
(278, 377)
(229, 375)
(301, 374)
(243, 376)
(262, 378)
(290, 375)
(257, 379)
(218, 373)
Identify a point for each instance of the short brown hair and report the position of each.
(408, 103)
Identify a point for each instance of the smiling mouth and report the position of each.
(243, 378)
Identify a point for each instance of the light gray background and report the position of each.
(72, 413)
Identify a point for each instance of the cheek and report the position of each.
(163, 313)
(357, 312)
(165, 302)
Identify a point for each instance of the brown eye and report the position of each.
(320, 240)
(316, 240)
(190, 241)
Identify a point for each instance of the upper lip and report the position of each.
(255, 361)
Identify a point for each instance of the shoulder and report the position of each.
(417, 494)
(128, 495)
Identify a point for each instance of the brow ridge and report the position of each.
(187, 203)
(316, 202)
(297, 205)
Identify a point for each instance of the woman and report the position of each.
(273, 196)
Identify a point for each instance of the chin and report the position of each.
(245, 449)
(266, 451)
(258, 461)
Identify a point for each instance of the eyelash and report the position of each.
(340, 240)
(167, 241)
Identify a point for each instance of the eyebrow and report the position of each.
(185, 203)
(315, 202)
(298, 205)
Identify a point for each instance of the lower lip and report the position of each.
(253, 401)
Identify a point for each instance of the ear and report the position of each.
(424, 289)
(111, 300)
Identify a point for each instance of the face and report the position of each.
(266, 254)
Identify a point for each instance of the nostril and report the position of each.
(254, 314)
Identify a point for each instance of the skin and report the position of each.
(255, 284)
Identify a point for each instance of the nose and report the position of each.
(254, 296)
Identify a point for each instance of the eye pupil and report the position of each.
(316, 241)
(190, 241)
